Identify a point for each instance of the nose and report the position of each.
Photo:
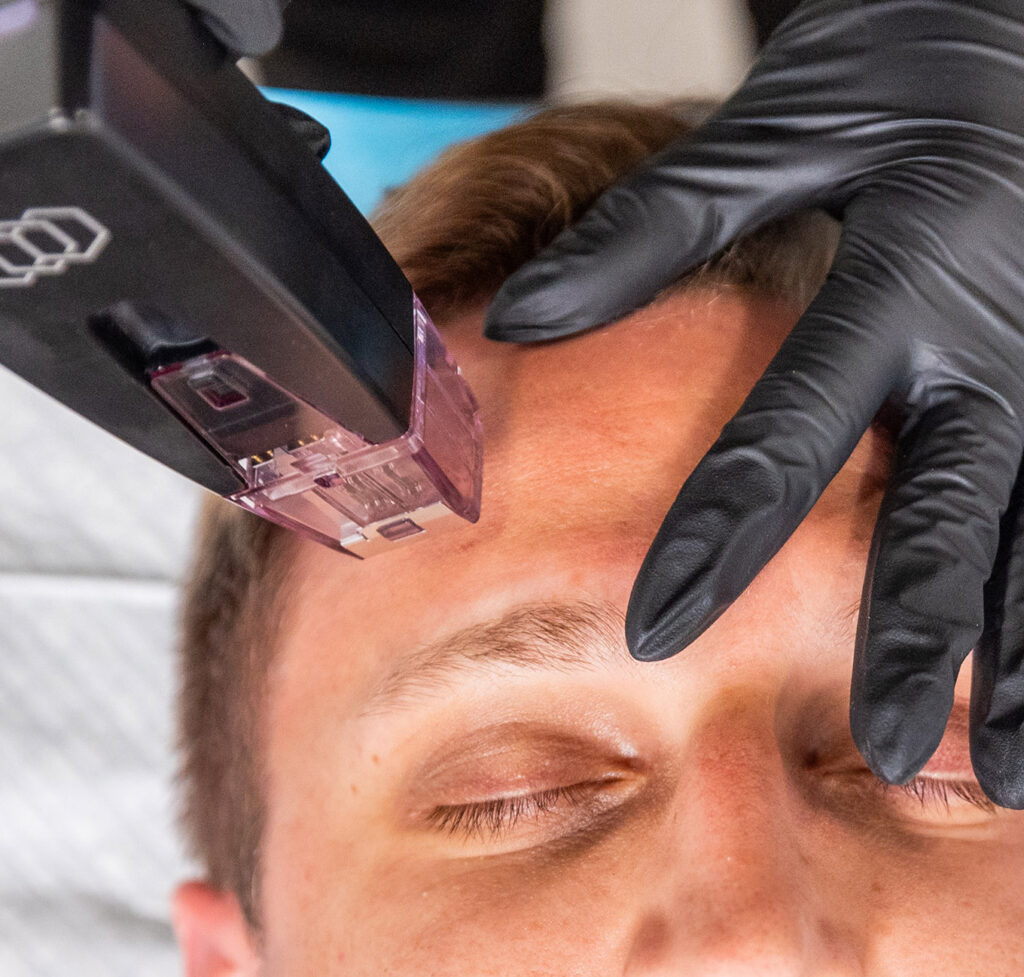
(736, 890)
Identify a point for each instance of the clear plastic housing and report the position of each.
(306, 472)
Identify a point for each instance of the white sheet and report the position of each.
(93, 538)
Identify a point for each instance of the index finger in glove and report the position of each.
(773, 459)
(677, 210)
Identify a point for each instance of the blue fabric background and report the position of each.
(377, 143)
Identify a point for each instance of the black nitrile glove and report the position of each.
(905, 117)
(244, 27)
(313, 133)
(253, 27)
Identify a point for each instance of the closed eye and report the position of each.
(496, 817)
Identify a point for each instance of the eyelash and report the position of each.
(494, 818)
(927, 789)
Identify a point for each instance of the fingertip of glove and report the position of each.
(525, 329)
(650, 653)
(892, 769)
(501, 321)
(895, 748)
(658, 628)
(311, 131)
(515, 317)
(509, 332)
(542, 301)
(998, 764)
(1002, 790)
(648, 643)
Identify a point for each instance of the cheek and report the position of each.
(384, 912)
(949, 909)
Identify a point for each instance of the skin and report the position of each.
(729, 825)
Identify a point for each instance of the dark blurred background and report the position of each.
(456, 49)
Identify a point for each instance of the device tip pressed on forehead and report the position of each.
(305, 471)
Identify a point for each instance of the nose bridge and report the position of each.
(733, 775)
(739, 895)
(739, 835)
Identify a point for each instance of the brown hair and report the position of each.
(458, 229)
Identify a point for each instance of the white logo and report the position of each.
(46, 241)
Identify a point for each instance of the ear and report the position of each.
(213, 934)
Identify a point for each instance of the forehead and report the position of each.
(587, 441)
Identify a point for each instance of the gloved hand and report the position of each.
(905, 118)
(253, 27)
(245, 27)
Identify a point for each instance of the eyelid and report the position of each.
(513, 822)
(495, 817)
(926, 803)
(517, 757)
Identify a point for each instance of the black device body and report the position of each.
(219, 223)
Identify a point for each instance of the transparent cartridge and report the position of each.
(311, 475)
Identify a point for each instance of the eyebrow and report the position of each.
(561, 637)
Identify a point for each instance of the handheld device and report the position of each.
(177, 266)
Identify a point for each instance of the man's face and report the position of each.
(468, 775)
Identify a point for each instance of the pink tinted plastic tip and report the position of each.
(306, 472)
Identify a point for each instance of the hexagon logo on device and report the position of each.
(47, 241)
